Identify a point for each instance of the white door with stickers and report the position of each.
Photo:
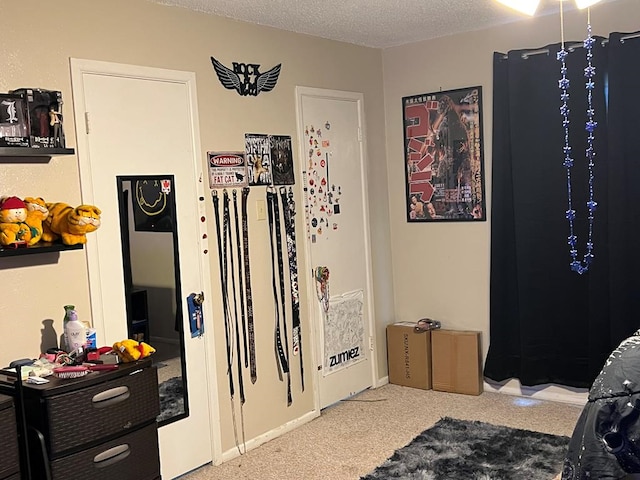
(338, 260)
(133, 122)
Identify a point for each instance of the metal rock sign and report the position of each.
(246, 78)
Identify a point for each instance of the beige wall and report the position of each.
(438, 270)
(441, 270)
(141, 33)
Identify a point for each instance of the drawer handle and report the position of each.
(110, 397)
(111, 456)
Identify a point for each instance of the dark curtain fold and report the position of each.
(624, 184)
(548, 324)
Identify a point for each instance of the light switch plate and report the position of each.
(261, 210)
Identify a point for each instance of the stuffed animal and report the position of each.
(13, 229)
(70, 224)
(36, 213)
(129, 350)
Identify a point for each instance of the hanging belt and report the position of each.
(289, 211)
(222, 259)
(247, 285)
(273, 211)
(229, 237)
(240, 278)
(223, 286)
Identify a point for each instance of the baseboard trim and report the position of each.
(381, 382)
(550, 392)
(270, 435)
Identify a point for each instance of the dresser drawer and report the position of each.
(9, 457)
(97, 412)
(133, 456)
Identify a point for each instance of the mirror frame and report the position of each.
(125, 205)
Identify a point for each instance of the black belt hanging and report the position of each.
(247, 285)
(277, 270)
(222, 259)
(223, 286)
(227, 233)
(289, 211)
(240, 278)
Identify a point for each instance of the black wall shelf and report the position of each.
(42, 247)
(34, 152)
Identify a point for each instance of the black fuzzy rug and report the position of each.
(171, 398)
(460, 449)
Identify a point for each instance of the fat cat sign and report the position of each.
(227, 169)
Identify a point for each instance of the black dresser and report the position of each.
(100, 427)
(9, 459)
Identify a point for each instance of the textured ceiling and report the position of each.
(372, 23)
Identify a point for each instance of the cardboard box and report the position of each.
(456, 361)
(409, 356)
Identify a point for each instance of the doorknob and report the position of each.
(198, 298)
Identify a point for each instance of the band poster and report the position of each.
(444, 156)
(258, 153)
(153, 205)
(282, 159)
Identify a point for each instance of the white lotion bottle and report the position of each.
(75, 333)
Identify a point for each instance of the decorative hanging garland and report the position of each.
(321, 275)
(589, 72)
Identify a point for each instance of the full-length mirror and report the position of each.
(152, 282)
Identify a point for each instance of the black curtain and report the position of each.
(548, 323)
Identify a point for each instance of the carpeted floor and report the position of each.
(352, 438)
(171, 398)
(457, 449)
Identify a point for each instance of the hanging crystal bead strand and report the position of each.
(576, 265)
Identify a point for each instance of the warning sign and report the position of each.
(227, 169)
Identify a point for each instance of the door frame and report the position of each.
(312, 307)
(78, 68)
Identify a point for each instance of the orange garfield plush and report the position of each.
(70, 224)
(130, 350)
(36, 213)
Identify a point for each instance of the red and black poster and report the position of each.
(444, 156)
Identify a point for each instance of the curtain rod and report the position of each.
(630, 36)
(571, 47)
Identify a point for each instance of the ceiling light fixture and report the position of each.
(586, 3)
(529, 7)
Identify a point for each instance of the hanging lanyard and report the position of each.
(229, 237)
(289, 211)
(277, 271)
(321, 275)
(247, 285)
